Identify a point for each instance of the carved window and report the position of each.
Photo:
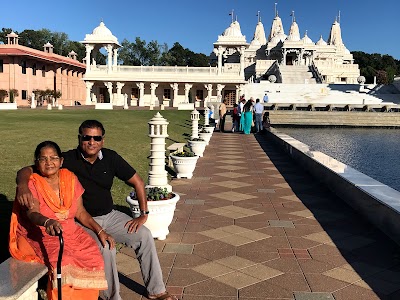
(23, 66)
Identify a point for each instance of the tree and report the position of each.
(3, 95)
(13, 93)
(3, 34)
(381, 77)
(35, 39)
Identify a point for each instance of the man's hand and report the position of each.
(24, 196)
(134, 224)
(106, 239)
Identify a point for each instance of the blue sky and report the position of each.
(369, 26)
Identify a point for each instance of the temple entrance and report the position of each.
(230, 96)
(104, 97)
(290, 60)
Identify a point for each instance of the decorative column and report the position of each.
(153, 87)
(208, 87)
(89, 86)
(188, 86)
(109, 86)
(241, 51)
(126, 101)
(140, 85)
(120, 98)
(219, 53)
(158, 133)
(220, 87)
(115, 58)
(109, 49)
(33, 101)
(206, 116)
(89, 49)
(175, 87)
(195, 117)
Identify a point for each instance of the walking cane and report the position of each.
(60, 253)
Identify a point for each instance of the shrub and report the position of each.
(154, 194)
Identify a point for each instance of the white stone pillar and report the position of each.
(241, 51)
(120, 97)
(158, 176)
(220, 87)
(174, 87)
(115, 58)
(153, 87)
(109, 86)
(195, 117)
(89, 86)
(89, 49)
(188, 86)
(208, 87)
(109, 49)
(140, 85)
(219, 53)
(33, 101)
(206, 116)
(126, 101)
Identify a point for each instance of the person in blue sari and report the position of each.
(248, 117)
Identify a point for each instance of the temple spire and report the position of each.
(293, 17)
(231, 14)
(258, 17)
(339, 17)
(276, 11)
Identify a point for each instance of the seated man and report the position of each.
(96, 168)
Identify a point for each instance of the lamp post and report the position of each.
(195, 116)
(158, 127)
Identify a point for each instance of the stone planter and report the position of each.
(160, 216)
(184, 166)
(197, 147)
(209, 129)
(205, 136)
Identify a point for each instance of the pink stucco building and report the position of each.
(26, 70)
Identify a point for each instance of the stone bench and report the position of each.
(19, 280)
(174, 148)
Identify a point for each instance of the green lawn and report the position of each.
(126, 132)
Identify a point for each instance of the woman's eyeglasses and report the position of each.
(96, 138)
(43, 159)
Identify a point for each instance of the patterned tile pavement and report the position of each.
(252, 225)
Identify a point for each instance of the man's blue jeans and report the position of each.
(258, 122)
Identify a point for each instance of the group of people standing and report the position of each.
(246, 115)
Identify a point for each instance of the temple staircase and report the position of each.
(296, 75)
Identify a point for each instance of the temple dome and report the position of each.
(306, 39)
(259, 34)
(294, 33)
(102, 30)
(101, 34)
(233, 30)
(321, 42)
(276, 28)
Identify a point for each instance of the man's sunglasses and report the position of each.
(96, 138)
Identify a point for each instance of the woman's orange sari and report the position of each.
(82, 264)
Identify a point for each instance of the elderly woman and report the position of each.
(57, 204)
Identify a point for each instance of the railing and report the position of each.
(316, 74)
(163, 69)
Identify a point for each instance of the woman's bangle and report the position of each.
(100, 231)
(45, 222)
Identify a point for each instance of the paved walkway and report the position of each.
(251, 225)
